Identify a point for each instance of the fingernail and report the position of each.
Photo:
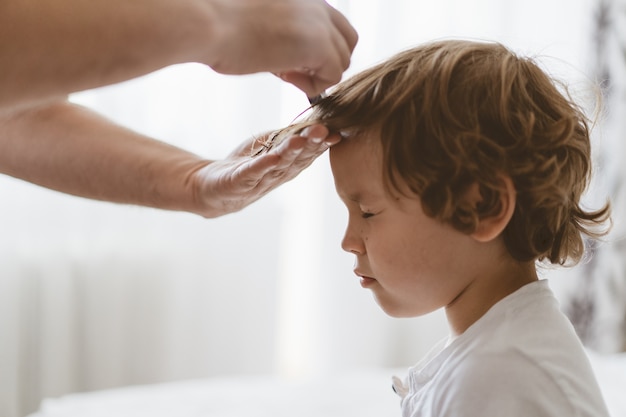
(315, 139)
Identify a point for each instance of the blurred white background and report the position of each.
(96, 295)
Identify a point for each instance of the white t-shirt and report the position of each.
(522, 358)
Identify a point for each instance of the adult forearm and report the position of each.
(70, 149)
(50, 48)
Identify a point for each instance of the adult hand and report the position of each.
(305, 42)
(229, 185)
(71, 149)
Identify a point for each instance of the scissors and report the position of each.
(267, 145)
(316, 99)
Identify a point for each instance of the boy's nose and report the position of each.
(352, 243)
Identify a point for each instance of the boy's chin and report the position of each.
(394, 310)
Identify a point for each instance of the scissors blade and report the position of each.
(316, 99)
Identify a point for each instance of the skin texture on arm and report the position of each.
(50, 48)
(71, 149)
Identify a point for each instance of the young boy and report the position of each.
(461, 166)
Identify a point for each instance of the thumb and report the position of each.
(309, 84)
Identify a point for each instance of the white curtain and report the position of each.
(595, 297)
(96, 295)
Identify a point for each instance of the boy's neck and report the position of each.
(485, 291)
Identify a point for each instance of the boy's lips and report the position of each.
(365, 280)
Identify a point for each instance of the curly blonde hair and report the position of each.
(455, 113)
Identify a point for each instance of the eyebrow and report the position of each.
(348, 196)
(354, 197)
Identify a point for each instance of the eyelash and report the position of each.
(366, 215)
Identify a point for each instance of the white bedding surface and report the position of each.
(363, 394)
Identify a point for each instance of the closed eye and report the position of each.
(366, 215)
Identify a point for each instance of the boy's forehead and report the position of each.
(362, 138)
(354, 148)
(356, 160)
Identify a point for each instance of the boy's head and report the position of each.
(456, 116)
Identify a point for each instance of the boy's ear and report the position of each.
(491, 226)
